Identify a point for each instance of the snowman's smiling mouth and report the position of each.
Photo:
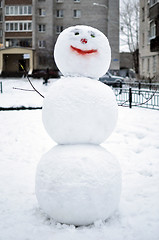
(83, 52)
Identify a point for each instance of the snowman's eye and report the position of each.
(76, 33)
(92, 35)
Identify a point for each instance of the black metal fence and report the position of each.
(141, 85)
(129, 97)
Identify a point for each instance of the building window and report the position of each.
(1, 18)
(77, 13)
(19, 42)
(7, 27)
(18, 26)
(143, 14)
(148, 65)
(0, 33)
(11, 9)
(41, 0)
(143, 65)
(42, 12)
(7, 43)
(42, 27)
(25, 26)
(143, 39)
(29, 10)
(59, 29)
(59, 13)
(154, 64)
(25, 10)
(7, 10)
(152, 30)
(29, 26)
(148, 37)
(0, 4)
(76, 1)
(59, 1)
(18, 10)
(42, 43)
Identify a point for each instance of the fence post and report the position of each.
(130, 98)
(1, 87)
(139, 87)
(150, 84)
(120, 88)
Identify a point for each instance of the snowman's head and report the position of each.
(82, 51)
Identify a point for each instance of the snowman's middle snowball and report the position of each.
(79, 110)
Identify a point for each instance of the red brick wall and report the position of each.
(18, 34)
(18, 18)
(18, 2)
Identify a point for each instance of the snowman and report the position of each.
(78, 181)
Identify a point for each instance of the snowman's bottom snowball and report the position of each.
(78, 184)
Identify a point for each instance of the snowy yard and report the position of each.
(135, 143)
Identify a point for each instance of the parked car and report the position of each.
(42, 74)
(112, 80)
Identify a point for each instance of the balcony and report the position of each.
(154, 11)
(154, 46)
(26, 43)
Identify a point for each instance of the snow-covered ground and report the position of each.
(12, 92)
(135, 143)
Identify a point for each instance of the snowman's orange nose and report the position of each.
(84, 40)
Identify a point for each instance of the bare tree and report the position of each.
(129, 17)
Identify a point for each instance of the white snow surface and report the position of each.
(70, 56)
(78, 184)
(28, 98)
(135, 144)
(79, 110)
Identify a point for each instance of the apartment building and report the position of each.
(148, 44)
(16, 47)
(30, 29)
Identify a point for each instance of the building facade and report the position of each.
(148, 44)
(29, 29)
